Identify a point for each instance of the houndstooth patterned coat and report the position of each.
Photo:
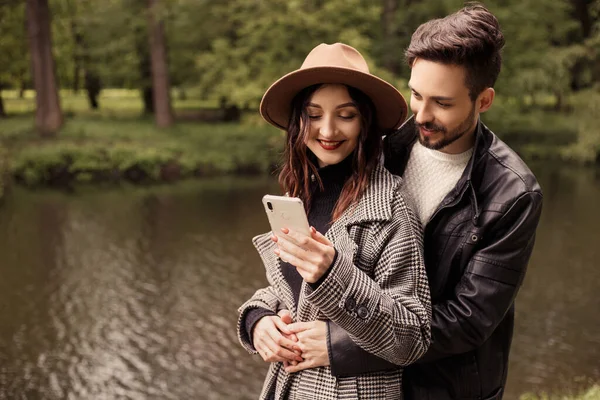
(377, 291)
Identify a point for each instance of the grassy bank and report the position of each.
(591, 394)
(97, 148)
(116, 143)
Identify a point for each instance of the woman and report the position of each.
(362, 268)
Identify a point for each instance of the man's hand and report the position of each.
(312, 341)
(274, 341)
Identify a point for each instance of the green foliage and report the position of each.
(107, 32)
(262, 41)
(14, 69)
(233, 50)
(587, 147)
(534, 58)
(517, 126)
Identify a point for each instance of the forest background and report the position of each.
(150, 90)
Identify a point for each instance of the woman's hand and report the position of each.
(312, 341)
(311, 255)
(273, 340)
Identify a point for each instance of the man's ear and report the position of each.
(485, 99)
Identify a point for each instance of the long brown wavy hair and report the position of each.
(299, 162)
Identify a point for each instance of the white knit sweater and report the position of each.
(430, 175)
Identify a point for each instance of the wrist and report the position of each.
(316, 284)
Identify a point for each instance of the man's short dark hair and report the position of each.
(471, 37)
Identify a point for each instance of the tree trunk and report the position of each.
(2, 111)
(91, 79)
(581, 11)
(558, 106)
(77, 58)
(93, 85)
(160, 69)
(141, 46)
(148, 100)
(388, 24)
(48, 115)
(22, 84)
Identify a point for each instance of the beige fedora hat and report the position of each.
(333, 63)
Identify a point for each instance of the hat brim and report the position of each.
(391, 108)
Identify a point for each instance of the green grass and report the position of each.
(114, 103)
(591, 394)
(97, 148)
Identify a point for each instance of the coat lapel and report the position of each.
(374, 205)
(376, 202)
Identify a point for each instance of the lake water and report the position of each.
(131, 292)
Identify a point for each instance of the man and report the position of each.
(479, 205)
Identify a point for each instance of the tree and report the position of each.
(2, 110)
(389, 58)
(257, 43)
(13, 47)
(160, 71)
(80, 24)
(582, 12)
(48, 114)
(144, 66)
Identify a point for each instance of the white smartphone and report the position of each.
(286, 212)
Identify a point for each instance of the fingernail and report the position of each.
(313, 230)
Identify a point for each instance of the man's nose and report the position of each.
(423, 114)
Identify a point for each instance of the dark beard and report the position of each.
(448, 138)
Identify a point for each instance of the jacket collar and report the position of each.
(376, 203)
(398, 146)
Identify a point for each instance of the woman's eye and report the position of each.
(348, 116)
(313, 117)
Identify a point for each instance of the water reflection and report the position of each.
(556, 344)
(132, 293)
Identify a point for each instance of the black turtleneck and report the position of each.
(320, 215)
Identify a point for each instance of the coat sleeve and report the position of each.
(389, 317)
(489, 285)
(265, 299)
(346, 358)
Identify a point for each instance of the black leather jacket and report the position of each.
(477, 245)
